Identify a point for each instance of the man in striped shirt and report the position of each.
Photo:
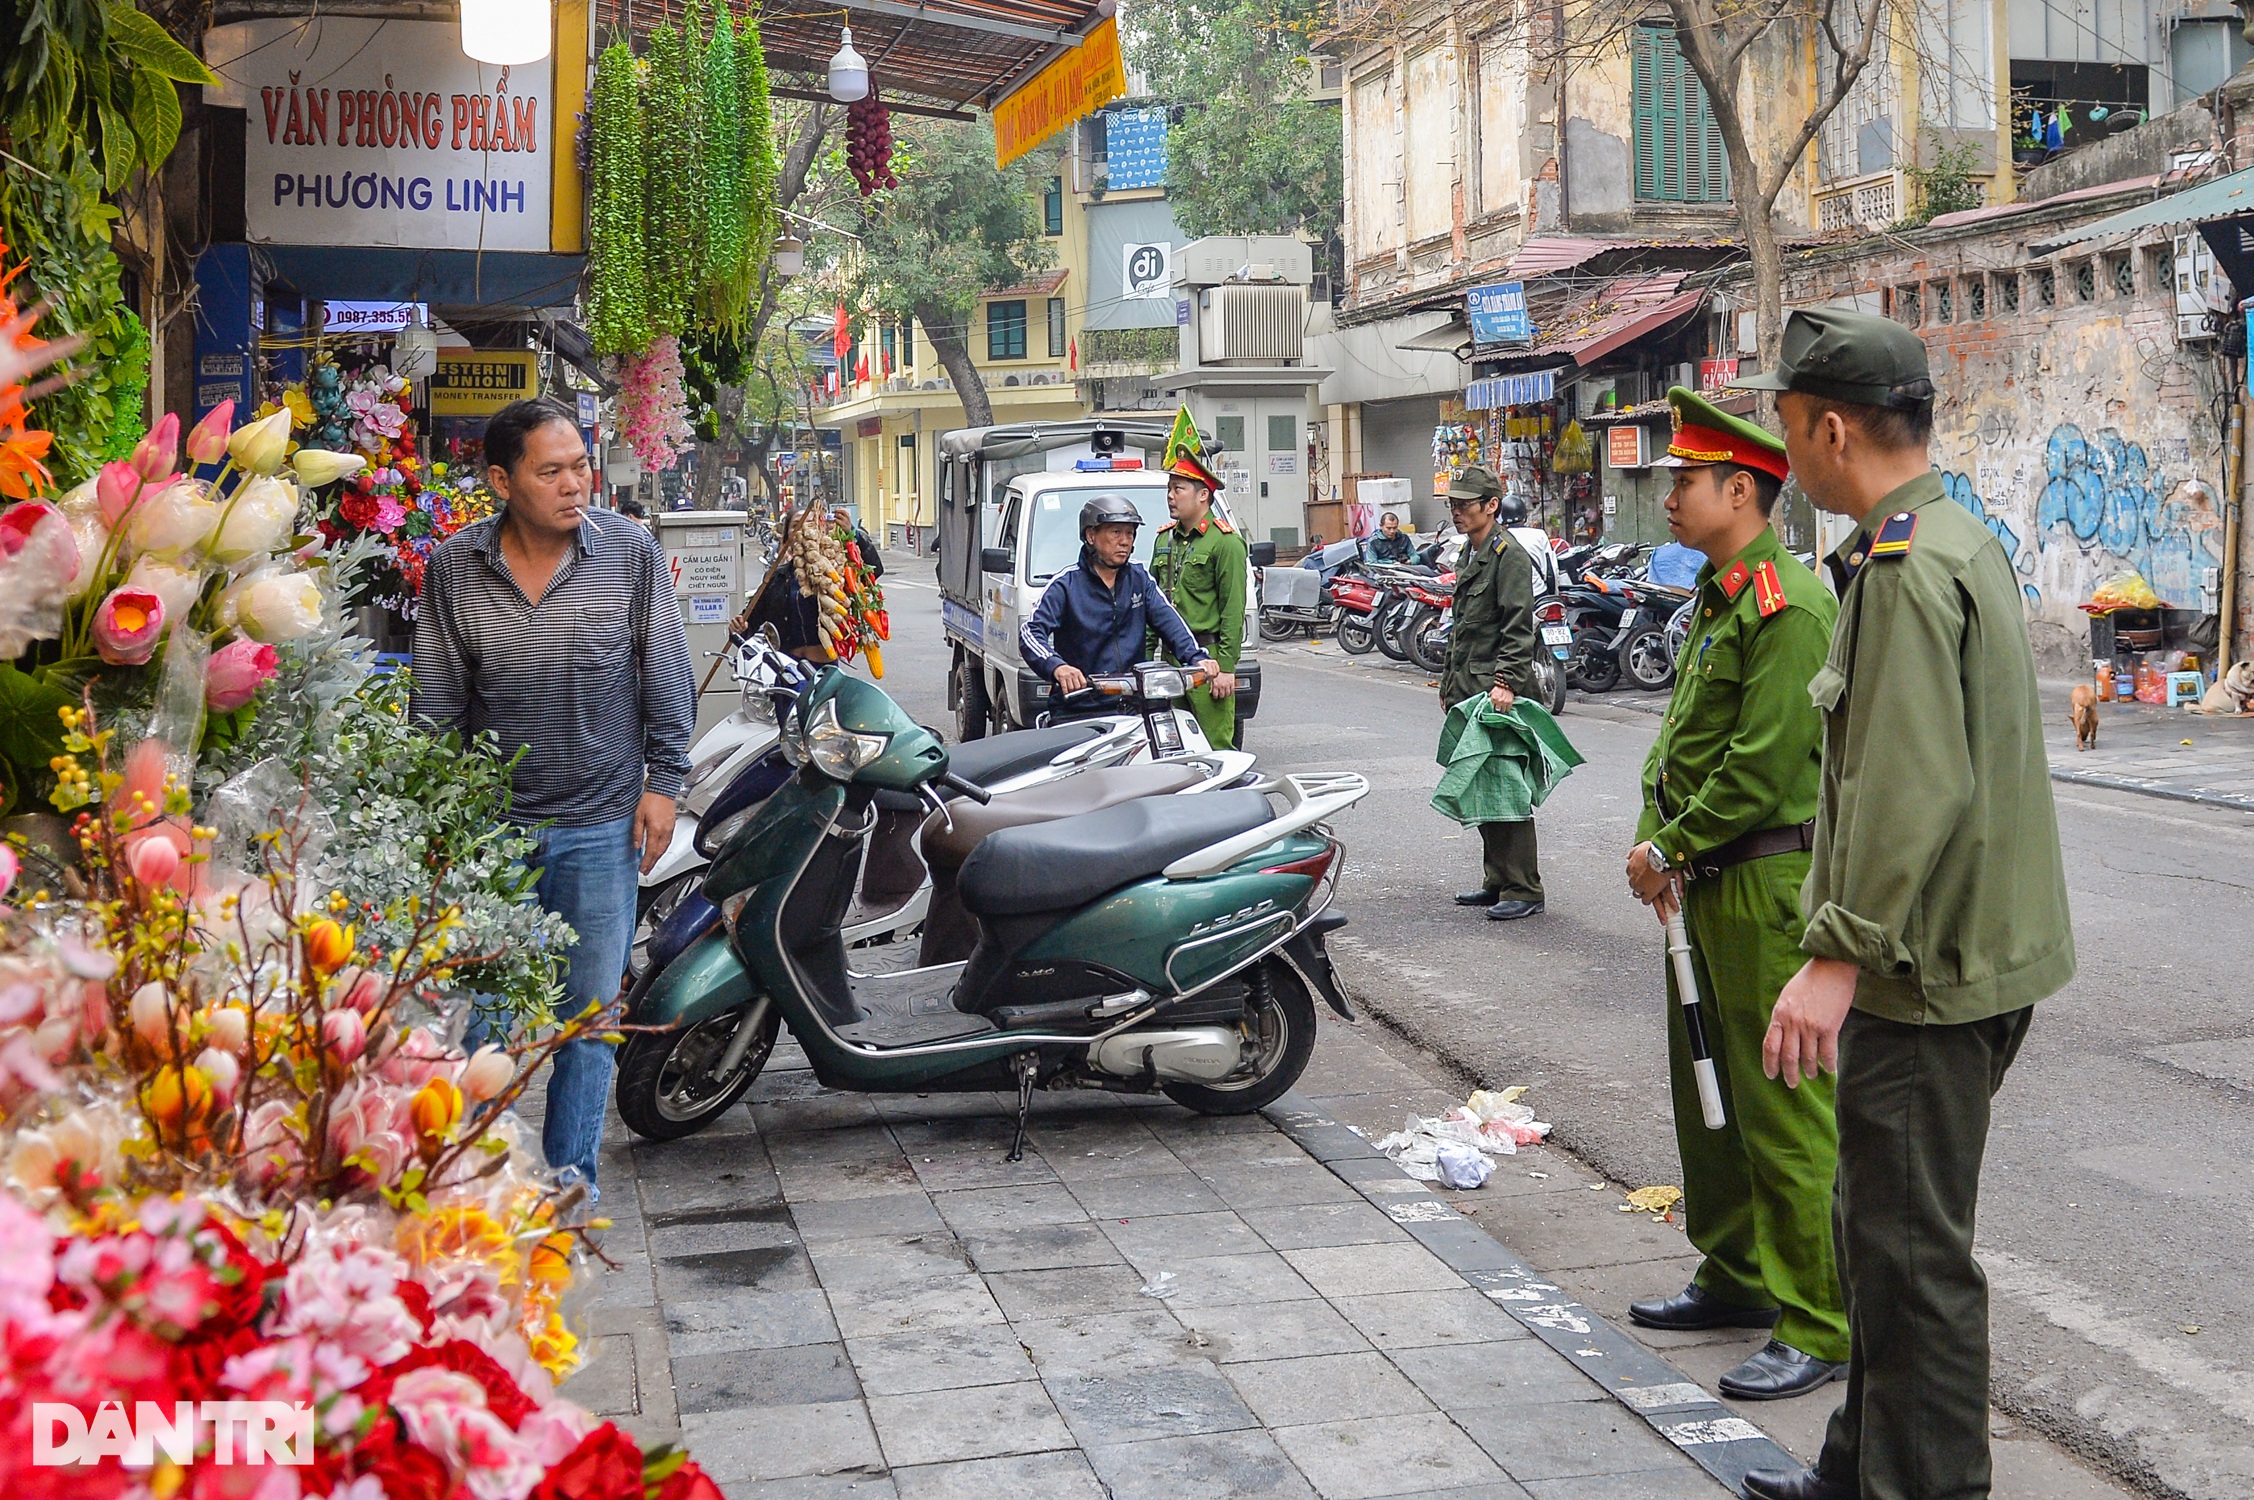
(554, 625)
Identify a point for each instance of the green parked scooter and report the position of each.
(1169, 943)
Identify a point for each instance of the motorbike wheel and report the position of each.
(1273, 628)
(1593, 668)
(1646, 660)
(656, 904)
(1356, 636)
(1392, 634)
(1279, 1021)
(665, 1088)
(1549, 677)
(973, 713)
(1423, 645)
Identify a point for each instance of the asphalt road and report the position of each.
(2117, 1201)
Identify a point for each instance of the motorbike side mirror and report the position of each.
(1263, 554)
(996, 560)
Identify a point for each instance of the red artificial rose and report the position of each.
(406, 1470)
(502, 1397)
(417, 1298)
(196, 1365)
(605, 1466)
(360, 508)
(688, 1483)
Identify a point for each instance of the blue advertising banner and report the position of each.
(1498, 314)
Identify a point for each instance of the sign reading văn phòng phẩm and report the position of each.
(380, 132)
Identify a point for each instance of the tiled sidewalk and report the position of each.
(846, 1295)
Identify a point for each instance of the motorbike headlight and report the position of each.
(756, 704)
(792, 738)
(1164, 682)
(837, 752)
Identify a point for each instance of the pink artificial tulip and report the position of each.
(359, 989)
(156, 455)
(18, 521)
(223, 1071)
(10, 867)
(345, 1035)
(207, 440)
(150, 1011)
(117, 489)
(235, 673)
(153, 859)
(127, 626)
(487, 1073)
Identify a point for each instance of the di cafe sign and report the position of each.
(379, 132)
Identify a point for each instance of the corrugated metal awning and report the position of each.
(2223, 198)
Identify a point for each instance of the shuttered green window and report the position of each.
(1678, 149)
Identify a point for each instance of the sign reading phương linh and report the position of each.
(380, 132)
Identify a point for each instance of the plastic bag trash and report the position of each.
(1463, 1167)
(1161, 1286)
(2125, 591)
(1502, 1117)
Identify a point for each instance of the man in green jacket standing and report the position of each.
(1936, 905)
(1199, 563)
(1728, 819)
(1491, 646)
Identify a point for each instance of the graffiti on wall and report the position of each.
(2099, 504)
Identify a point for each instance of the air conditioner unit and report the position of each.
(1245, 324)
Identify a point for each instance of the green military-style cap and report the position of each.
(1845, 355)
(1474, 482)
(1706, 434)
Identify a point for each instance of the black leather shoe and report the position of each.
(1796, 1484)
(1695, 1307)
(1776, 1371)
(1475, 898)
(1511, 911)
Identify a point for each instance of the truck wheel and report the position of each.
(665, 1085)
(973, 711)
(1279, 1029)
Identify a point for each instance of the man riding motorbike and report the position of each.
(1094, 615)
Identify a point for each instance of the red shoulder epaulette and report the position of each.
(1768, 589)
(1733, 582)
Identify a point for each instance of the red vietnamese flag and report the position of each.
(1072, 350)
(861, 370)
(841, 336)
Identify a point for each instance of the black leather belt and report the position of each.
(1759, 844)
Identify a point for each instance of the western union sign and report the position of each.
(479, 382)
(1073, 87)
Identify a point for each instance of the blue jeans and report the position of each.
(589, 877)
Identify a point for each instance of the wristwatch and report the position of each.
(1655, 856)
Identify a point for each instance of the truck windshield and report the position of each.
(1054, 544)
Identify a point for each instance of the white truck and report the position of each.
(1009, 521)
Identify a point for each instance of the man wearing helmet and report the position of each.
(1095, 614)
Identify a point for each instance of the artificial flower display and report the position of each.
(238, 1163)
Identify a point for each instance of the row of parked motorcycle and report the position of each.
(1102, 902)
(1603, 619)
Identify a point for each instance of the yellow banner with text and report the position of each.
(1072, 88)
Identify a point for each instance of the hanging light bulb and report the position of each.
(790, 255)
(849, 71)
(506, 32)
(414, 354)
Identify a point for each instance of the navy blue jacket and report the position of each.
(1081, 623)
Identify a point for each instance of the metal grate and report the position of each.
(1909, 305)
(2046, 287)
(2085, 281)
(2007, 288)
(1944, 302)
(1975, 299)
(1874, 202)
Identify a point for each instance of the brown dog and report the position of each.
(2084, 715)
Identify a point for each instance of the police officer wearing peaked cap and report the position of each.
(1729, 801)
(1201, 564)
(1491, 646)
(1936, 905)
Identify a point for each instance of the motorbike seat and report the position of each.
(1001, 756)
(946, 848)
(1045, 867)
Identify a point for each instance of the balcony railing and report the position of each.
(1874, 200)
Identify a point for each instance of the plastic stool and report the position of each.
(2185, 687)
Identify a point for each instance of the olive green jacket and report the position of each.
(1936, 867)
(1492, 641)
(1741, 750)
(1203, 577)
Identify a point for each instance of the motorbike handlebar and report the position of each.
(970, 789)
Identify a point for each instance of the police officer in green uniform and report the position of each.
(1936, 905)
(1199, 562)
(1491, 646)
(1729, 803)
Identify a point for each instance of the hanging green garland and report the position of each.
(761, 172)
(618, 311)
(726, 227)
(674, 202)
